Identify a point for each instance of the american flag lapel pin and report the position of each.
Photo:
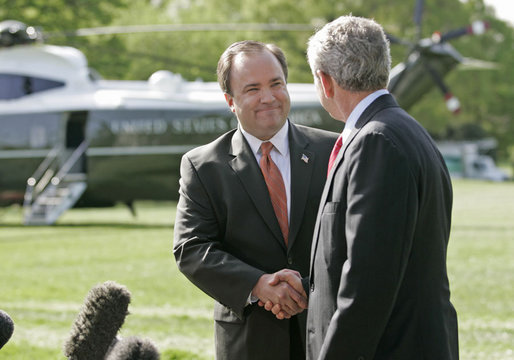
(305, 158)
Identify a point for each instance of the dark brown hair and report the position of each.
(245, 47)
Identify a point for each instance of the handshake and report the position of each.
(281, 293)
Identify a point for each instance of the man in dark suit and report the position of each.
(378, 280)
(228, 236)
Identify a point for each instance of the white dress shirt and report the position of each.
(358, 110)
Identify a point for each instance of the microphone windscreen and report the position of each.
(133, 348)
(98, 322)
(6, 328)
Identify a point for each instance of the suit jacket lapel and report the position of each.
(380, 103)
(324, 194)
(248, 171)
(302, 165)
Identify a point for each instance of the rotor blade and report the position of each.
(452, 103)
(477, 64)
(476, 28)
(395, 40)
(109, 30)
(418, 14)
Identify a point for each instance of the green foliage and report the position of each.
(58, 18)
(61, 15)
(486, 96)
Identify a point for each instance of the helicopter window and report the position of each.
(14, 86)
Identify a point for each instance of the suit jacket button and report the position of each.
(290, 260)
(360, 358)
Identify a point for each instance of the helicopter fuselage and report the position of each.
(136, 131)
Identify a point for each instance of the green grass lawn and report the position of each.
(46, 273)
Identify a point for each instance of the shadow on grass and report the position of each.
(482, 228)
(180, 355)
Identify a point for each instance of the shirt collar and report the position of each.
(361, 106)
(280, 140)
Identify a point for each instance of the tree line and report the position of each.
(485, 95)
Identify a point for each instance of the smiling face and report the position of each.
(259, 94)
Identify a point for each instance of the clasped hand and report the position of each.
(281, 293)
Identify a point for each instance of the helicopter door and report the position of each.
(75, 136)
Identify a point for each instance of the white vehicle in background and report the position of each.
(467, 159)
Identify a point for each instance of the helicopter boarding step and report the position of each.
(55, 200)
(53, 189)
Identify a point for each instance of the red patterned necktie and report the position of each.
(335, 151)
(276, 188)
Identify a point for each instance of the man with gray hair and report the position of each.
(378, 285)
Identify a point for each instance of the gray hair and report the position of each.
(245, 47)
(354, 51)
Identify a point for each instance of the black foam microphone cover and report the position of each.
(98, 322)
(133, 348)
(6, 328)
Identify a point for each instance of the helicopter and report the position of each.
(69, 137)
(429, 60)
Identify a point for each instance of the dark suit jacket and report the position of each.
(227, 235)
(378, 280)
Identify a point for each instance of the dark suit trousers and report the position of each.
(295, 339)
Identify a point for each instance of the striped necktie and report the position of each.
(276, 188)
